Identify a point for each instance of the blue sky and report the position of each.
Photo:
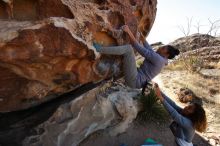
(171, 14)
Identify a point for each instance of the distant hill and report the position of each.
(195, 41)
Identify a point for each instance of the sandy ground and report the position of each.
(170, 82)
(136, 135)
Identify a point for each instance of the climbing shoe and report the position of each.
(97, 46)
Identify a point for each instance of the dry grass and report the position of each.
(218, 65)
(208, 88)
(189, 63)
(152, 109)
(176, 65)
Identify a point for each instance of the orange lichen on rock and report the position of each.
(46, 45)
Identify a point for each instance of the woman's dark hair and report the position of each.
(172, 51)
(198, 118)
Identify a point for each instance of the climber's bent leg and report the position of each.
(129, 67)
(129, 63)
(115, 50)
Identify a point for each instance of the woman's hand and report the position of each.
(126, 29)
(142, 38)
(158, 92)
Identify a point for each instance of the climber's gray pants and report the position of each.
(129, 63)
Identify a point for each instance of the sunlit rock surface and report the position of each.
(196, 41)
(110, 108)
(204, 47)
(46, 45)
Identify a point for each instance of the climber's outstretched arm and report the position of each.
(128, 31)
(146, 45)
(134, 42)
(147, 53)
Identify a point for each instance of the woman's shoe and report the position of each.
(97, 46)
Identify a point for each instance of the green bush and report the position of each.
(139, 62)
(152, 109)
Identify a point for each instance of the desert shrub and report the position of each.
(152, 109)
(176, 65)
(139, 62)
(192, 63)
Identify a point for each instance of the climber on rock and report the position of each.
(152, 65)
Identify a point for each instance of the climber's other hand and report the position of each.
(157, 91)
(125, 28)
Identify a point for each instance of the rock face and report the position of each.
(113, 108)
(186, 95)
(205, 49)
(46, 45)
(195, 41)
(211, 54)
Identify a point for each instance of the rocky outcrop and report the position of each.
(210, 73)
(46, 45)
(195, 41)
(185, 95)
(203, 51)
(211, 53)
(110, 108)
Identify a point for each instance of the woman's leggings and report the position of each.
(129, 63)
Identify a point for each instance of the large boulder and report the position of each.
(46, 45)
(186, 95)
(104, 108)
